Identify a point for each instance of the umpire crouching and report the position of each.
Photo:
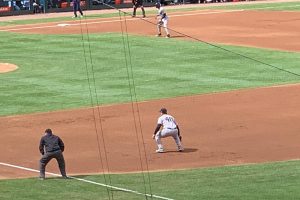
(51, 146)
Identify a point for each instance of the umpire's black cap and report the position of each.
(48, 130)
(163, 110)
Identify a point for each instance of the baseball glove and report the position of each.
(160, 23)
(180, 138)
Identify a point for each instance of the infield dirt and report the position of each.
(245, 126)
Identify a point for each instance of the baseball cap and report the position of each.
(163, 110)
(48, 130)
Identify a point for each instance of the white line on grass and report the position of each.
(87, 181)
(117, 20)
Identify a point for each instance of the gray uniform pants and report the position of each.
(47, 157)
(167, 133)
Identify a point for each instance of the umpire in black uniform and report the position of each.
(136, 4)
(51, 146)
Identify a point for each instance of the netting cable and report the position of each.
(134, 102)
(132, 87)
(93, 83)
(211, 44)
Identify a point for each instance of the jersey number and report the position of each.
(169, 119)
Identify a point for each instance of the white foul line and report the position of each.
(116, 20)
(87, 181)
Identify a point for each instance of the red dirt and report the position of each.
(247, 126)
(7, 67)
(266, 29)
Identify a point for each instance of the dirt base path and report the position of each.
(266, 29)
(248, 126)
(237, 127)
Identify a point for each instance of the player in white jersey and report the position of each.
(162, 20)
(169, 128)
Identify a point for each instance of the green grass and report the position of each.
(66, 71)
(57, 72)
(275, 6)
(282, 6)
(55, 19)
(279, 6)
(271, 181)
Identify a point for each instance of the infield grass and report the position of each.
(271, 181)
(57, 72)
(70, 71)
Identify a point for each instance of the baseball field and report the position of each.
(229, 74)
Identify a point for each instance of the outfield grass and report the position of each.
(280, 6)
(272, 181)
(60, 71)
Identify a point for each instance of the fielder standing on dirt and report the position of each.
(136, 4)
(162, 20)
(51, 146)
(169, 129)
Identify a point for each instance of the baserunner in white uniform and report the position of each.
(162, 20)
(169, 128)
